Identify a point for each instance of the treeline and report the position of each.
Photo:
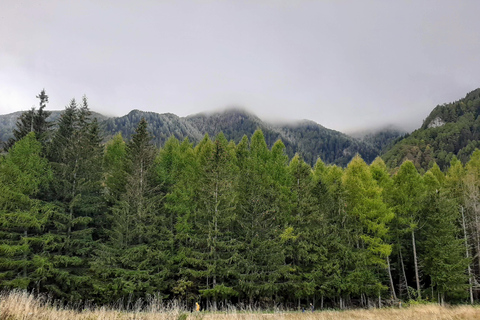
(306, 138)
(224, 222)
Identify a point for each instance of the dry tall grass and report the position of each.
(24, 306)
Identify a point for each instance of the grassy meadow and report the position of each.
(24, 306)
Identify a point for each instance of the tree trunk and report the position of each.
(140, 201)
(74, 185)
(417, 279)
(214, 246)
(392, 287)
(25, 233)
(403, 272)
(477, 234)
(467, 255)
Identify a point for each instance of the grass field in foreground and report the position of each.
(24, 306)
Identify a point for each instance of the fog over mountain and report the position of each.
(347, 65)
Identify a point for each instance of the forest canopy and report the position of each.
(224, 222)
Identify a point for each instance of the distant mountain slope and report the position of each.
(450, 129)
(161, 126)
(313, 140)
(235, 123)
(7, 123)
(308, 138)
(380, 139)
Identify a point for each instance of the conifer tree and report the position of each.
(75, 152)
(455, 185)
(369, 216)
(334, 269)
(259, 228)
(134, 261)
(471, 196)
(407, 200)
(444, 252)
(23, 217)
(215, 220)
(33, 121)
(384, 181)
(114, 162)
(182, 176)
(304, 239)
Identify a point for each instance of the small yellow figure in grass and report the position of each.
(197, 306)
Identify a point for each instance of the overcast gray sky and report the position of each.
(344, 64)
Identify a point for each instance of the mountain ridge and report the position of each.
(305, 137)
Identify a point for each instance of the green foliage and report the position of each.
(225, 222)
(450, 130)
(33, 121)
(23, 218)
(114, 168)
(308, 139)
(75, 154)
(133, 260)
(444, 258)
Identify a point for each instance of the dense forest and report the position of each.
(451, 130)
(227, 222)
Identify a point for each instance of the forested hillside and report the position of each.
(450, 130)
(380, 139)
(306, 138)
(229, 222)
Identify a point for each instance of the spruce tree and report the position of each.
(75, 152)
(456, 187)
(260, 227)
(33, 121)
(333, 271)
(444, 251)
(215, 219)
(134, 261)
(304, 238)
(179, 172)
